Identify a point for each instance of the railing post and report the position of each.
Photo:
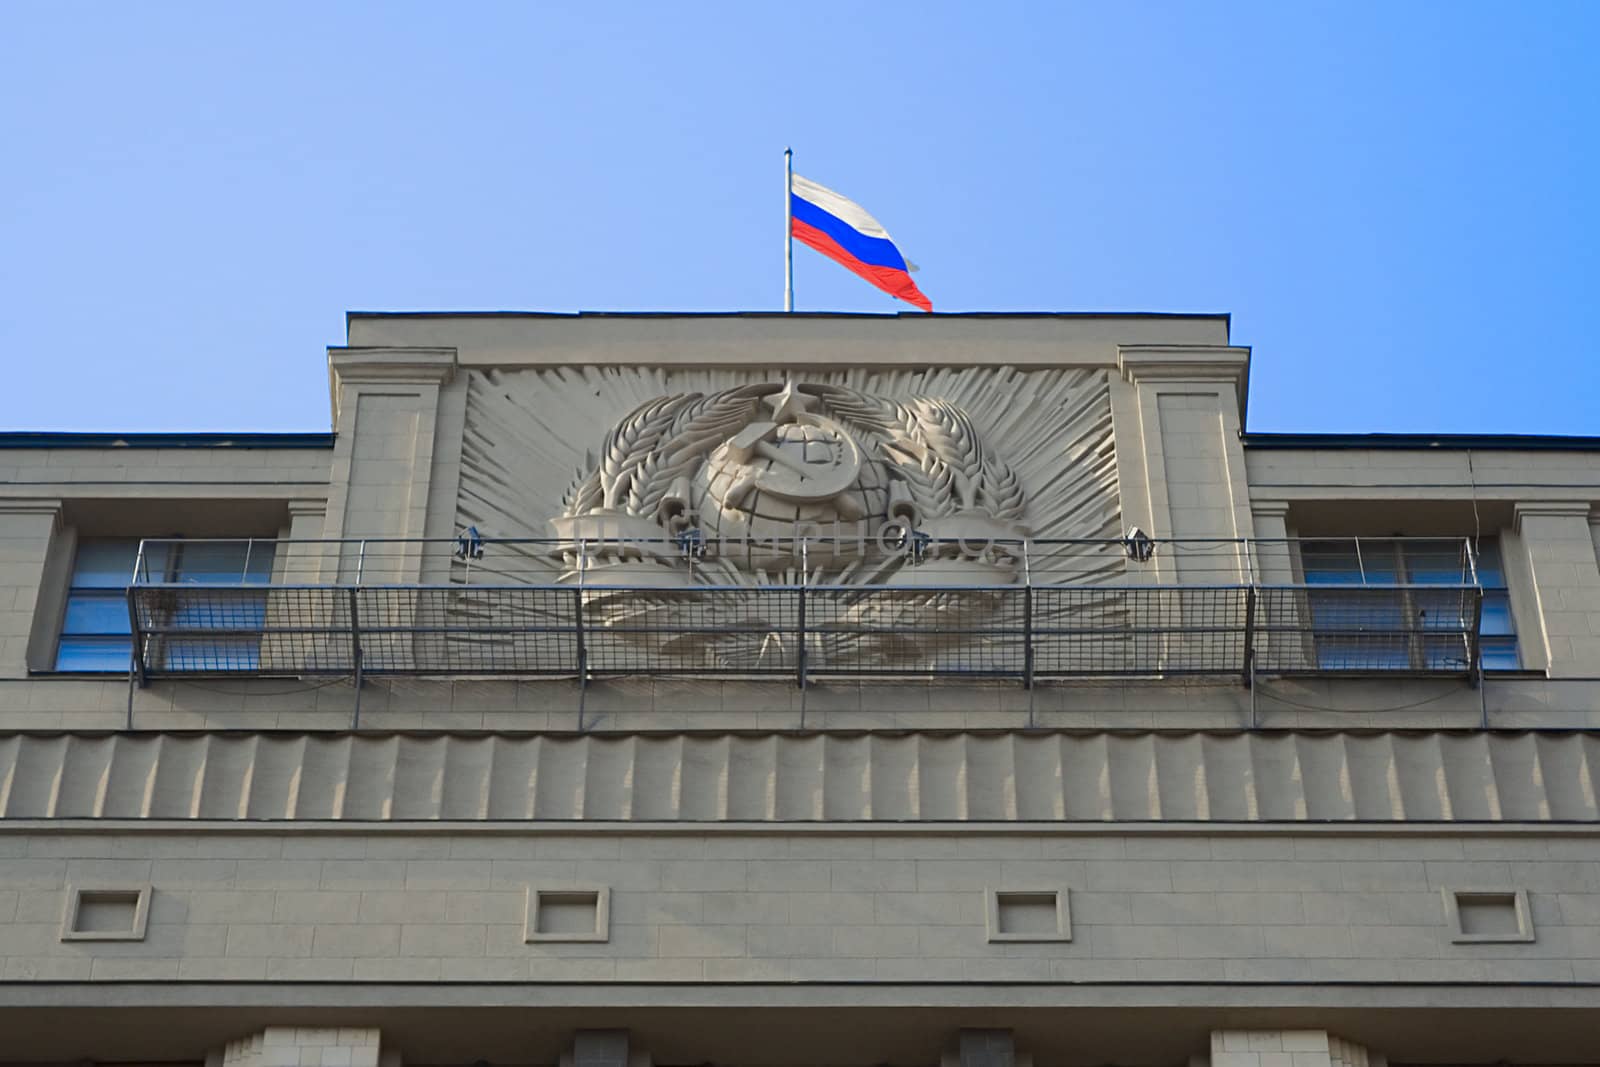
(1027, 618)
(580, 649)
(355, 651)
(800, 635)
(1474, 645)
(1249, 664)
(136, 665)
(1248, 667)
(135, 654)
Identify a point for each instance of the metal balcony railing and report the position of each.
(807, 608)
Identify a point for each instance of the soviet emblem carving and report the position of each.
(750, 473)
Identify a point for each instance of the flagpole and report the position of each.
(788, 229)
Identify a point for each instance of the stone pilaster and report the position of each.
(603, 1048)
(1189, 403)
(1272, 564)
(985, 1048)
(1288, 1048)
(306, 1046)
(31, 576)
(1559, 549)
(386, 404)
(304, 561)
(1270, 558)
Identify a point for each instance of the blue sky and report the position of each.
(1396, 201)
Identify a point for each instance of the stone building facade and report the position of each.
(780, 690)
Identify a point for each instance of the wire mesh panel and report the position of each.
(713, 629)
(468, 630)
(1088, 632)
(901, 630)
(242, 630)
(1410, 629)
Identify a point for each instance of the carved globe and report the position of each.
(771, 520)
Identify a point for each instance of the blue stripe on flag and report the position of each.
(872, 250)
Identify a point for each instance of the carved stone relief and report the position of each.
(731, 470)
(769, 474)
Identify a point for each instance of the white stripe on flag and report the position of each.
(843, 208)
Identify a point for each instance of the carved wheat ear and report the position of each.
(902, 439)
(1001, 492)
(927, 477)
(706, 423)
(873, 414)
(949, 433)
(698, 426)
(583, 495)
(630, 442)
(639, 486)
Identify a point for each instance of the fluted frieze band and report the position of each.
(1090, 777)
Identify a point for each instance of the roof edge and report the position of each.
(1224, 315)
(59, 439)
(1449, 442)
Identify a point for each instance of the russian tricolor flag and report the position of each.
(842, 230)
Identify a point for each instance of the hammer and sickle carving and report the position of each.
(787, 474)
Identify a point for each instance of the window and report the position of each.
(1497, 633)
(96, 631)
(1400, 603)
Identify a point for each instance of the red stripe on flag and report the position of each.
(897, 283)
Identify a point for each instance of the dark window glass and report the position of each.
(1346, 562)
(222, 563)
(93, 654)
(1500, 654)
(104, 564)
(1491, 575)
(1496, 621)
(94, 612)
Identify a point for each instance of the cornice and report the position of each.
(1278, 508)
(30, 506)
(784, 340)
(427, 365)
(1227, 364)
(1566, 509)
(387, 365)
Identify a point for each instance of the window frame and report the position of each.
(122, 639)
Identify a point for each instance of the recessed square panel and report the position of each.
(105, 913)
(568, 913)
(1488, 915)
(1028, 915)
